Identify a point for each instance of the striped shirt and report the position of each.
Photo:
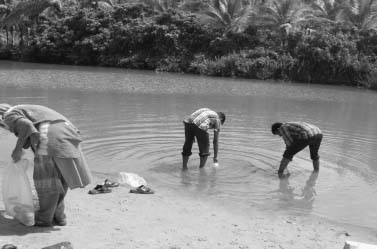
(205, 119)
(293, 131)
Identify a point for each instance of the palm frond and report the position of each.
(229, 14)
(284, 14)
(360, 13)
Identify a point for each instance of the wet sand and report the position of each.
(164, 220)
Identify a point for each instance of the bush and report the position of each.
(286, 65)
(244, 64)
(258, 68)
(371, 81)
(169, 64)
(6, 53)
(223, 66)
(367, 43)
(326, 58)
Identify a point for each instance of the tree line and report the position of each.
(315, 41)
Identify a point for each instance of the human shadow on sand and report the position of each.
(13, 227)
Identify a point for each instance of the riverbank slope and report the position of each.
(165, 220)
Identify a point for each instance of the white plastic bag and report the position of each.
(17, 192)
(131, 179)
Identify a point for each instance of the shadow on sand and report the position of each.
(10, 227)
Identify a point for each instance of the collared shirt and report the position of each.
(205, 119)
(293, 131)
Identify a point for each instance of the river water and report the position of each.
(132, 122)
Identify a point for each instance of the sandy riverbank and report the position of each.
(164, 220)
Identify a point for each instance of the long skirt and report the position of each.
(54, 175)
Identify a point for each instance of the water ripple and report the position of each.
(132, 121)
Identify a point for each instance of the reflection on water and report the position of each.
(132, 121)
(301, 201)
(205, 179)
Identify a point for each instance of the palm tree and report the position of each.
(4, 11)
(284, 14)
(360, 13)
(328, 10)
(233, 15)
(26, 10)
(29, 9)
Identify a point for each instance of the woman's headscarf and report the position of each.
(3, 108)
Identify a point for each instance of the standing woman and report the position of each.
(58, 160)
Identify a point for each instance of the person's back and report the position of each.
(35, 113)
(205, 119)
(293, 131)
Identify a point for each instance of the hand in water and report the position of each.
(215, 162)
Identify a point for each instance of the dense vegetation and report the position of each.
(320, 41)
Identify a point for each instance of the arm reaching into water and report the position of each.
(215, 145)
(283, 165)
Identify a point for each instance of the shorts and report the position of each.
(314, 144)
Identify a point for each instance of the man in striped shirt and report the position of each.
(197, 126)
(298, 135)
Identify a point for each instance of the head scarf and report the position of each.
(3, 108)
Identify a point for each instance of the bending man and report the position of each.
(298, 135)
(197, 126)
